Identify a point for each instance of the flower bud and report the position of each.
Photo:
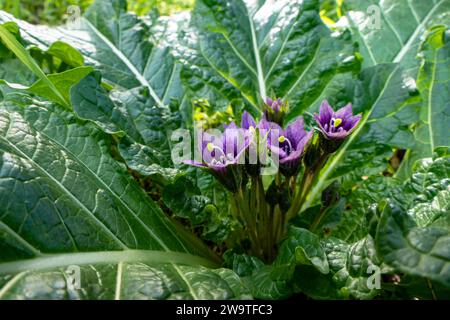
(275, 110)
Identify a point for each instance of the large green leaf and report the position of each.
(144, 129)
(402, 24)
(66, 202)
(413, 235)
(434, 85)
(414, 250)
(351, 268)
(244, 50)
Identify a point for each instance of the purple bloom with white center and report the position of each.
(222, 154)
(336, 125)
(289, 145)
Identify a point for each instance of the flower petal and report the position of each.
(344, 113)
(352, 123)
(339, 135)
(294, 156)
(295, 132)
(194, 163)
(304, 141)
(247, 121)
(325, 113)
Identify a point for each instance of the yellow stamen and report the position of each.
(337, 122)
(210, 147)
(282, 139)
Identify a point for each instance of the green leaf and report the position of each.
(303, 247)
(11, 42)
(66, 53)
(420, 251)
(14, 71)
(117, 43)
(361, 216)
(429, 178)
(63, 82)
(264, 281)
(402, 24)
(359, 162)
(144, 128)
(271, 282)
(351, 266)
(184, 199)
(413, 235)
(434, 85)
(240, 50)
(243, 264)
(435, 213)
(66, 202)
(124, 280)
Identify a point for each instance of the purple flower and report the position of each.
(274, 110)
(289, 145)
(222, 154)
(336, 125)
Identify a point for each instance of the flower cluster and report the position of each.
(237, 155)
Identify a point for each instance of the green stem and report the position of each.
(307, 182)
(299, 197)
(270, 232)
(430, 286)
(317, 220)
(276, 225)
(249, 221)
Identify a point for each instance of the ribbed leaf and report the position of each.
(351, 265)
(66, 202)
(244, 50)
(434, 85)
(303, 247)
(399, 33)
(264, 281)
(413, 235)
(144, 128)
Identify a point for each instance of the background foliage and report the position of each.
(55, 11)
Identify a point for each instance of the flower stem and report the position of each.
(249, 220)
(308, 179)
(317, 220)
